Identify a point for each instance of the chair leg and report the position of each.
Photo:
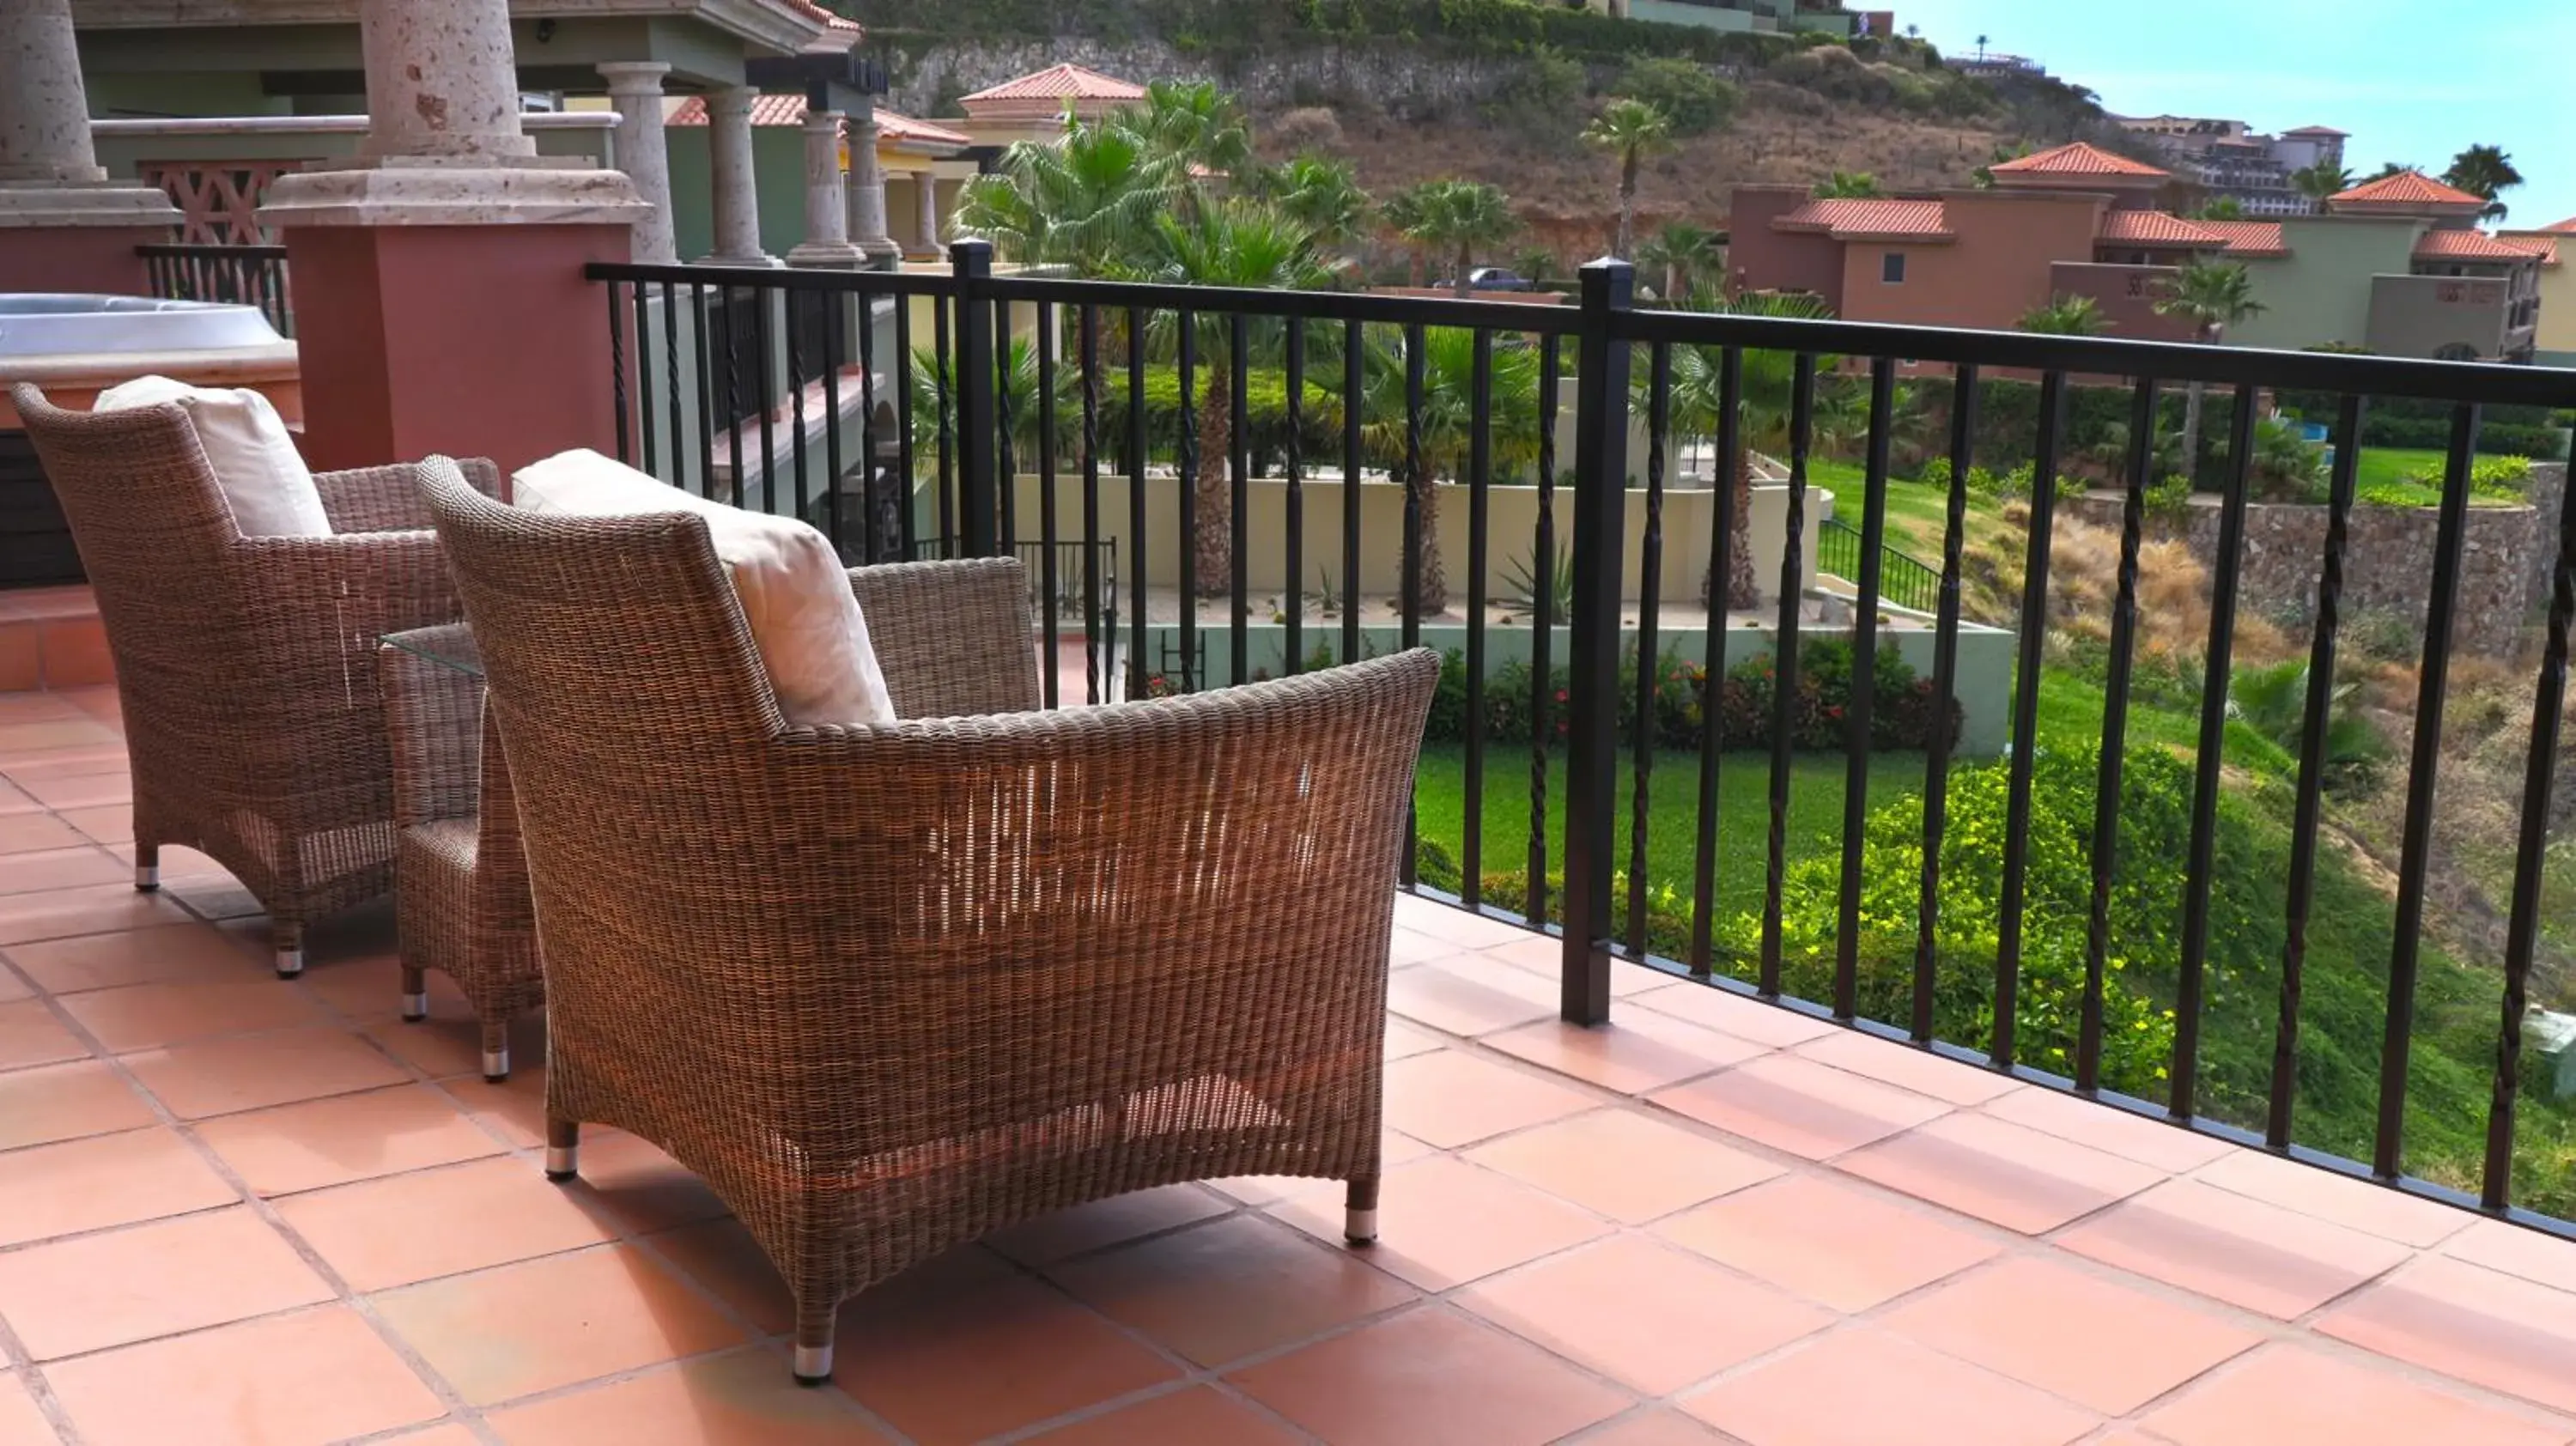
(1359, 1212)
(563, 1149)
(814, 1342)
(147, 867)
(496, 1048)
(415, 994)
(288, 941)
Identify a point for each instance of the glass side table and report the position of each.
(461, 901)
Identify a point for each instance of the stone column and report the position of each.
(737, 188)
(867, 195)
(440, 300)
(63, 225)
(644, 151)
(827, 221)
(926, 220)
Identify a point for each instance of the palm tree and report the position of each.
(1632, 130)
(1403, 213)
(2009, 151)
(2064, 315)
(1769, 381)
(1462, 218)
(1536, 264)
(1323, 195)
(2394, 168)
(1086, 202)
(2212, 296)
(1194, 122)
(1233, 243)
(2322, 181)
(1848, 186)
(1685, 252)
(2224, 208)
(1448, 423)
(2485, 172)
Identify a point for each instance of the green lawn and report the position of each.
(2396, 466)
(1916, 514)
(1815, 819)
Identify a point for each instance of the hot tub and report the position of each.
(54, 324)
(73, 347)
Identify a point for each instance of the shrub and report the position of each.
(2169, 500)
(1902, 712)
(1687, 92)
(2501, 478)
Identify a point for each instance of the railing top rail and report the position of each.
(1294, 305)
(864, 283)
(2481, 382)
(211, 248)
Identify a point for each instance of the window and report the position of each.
(1891, 268)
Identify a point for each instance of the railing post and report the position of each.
(978, 488)
(1592, 693)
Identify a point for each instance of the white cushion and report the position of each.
(262, 476)
(795, 594)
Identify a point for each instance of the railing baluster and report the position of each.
(1480, 485)
(1354, 390)
(676, 408)
(1189, 465)
(1592, 653)
(617, 375)
(1784, 661)
(1945, 694)
(1052, 613)
(1712, 726)
(1864, 685)
(2308, 812)
(1092, 541)
(1006, 467)
(905, 368)
(2522, 922)
(944, 374)
(1295, 512)
(1417, 526)
(796, 452)
(1238, 464)
(765, 395)
(706, 388)
(872, 542)
(2213, 741)
(645, 425)
(1139, 651)
(1650, 582)
(2025, 724)
(1543, 621)
(835, 306)
(2416, 841)
(2115, 734)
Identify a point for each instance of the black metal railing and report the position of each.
(243, 275)
(1906, 580)
(1943, 834)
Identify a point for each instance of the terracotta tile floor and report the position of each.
(234, 1210)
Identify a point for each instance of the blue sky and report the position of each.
(2412, 82)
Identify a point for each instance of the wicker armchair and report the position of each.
(890, 989)
(245, 665)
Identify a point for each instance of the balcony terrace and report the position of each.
(239, 1210)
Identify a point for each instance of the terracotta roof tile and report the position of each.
(2563, 228)
(2250, 238)
(789, 110)
(2544, 247)
(2409, 188)
(2468, 246)
(2156, 228)
(1066, 81)
(1848, 220)
(2078, 159)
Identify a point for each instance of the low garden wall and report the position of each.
(2388, 559)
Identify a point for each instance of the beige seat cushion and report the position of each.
(263, 477)
(795, 594)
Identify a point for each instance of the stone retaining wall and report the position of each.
(2388, 562)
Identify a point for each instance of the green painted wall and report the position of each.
(778, 166)
(194, 93)
(2321, 291)
(121, 153)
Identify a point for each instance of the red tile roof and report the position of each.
(1861, 220)
(2468, 246)
(2250, 238)
(789, 110)
(2156, 228)
(2406, 188)
(2319, 131)
(2544, 247)
(2563, 228)
(1062, 82)
(2078, 159)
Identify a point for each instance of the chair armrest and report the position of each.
(324, 601)
(434, 726)
(384, 499)
(954, 639)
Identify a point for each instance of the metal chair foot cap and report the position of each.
(290, 963)
(147, 877)
(563, 1162)
(1359, 1227)
(813, 1365)
(496, 1065)
(415, 1007)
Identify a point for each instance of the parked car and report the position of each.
(1496, 278)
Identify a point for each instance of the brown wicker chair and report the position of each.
(245, 665)
(890, 989)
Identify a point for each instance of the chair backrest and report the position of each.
(953, 638)
(151, 523)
